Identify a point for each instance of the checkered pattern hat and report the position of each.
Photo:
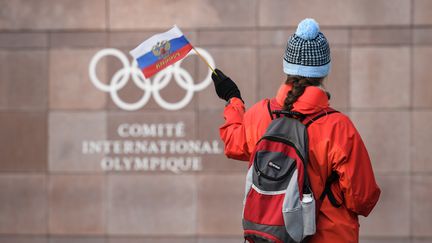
(307, 53)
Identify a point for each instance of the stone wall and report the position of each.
(51, 191)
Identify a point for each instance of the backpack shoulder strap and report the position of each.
(269, 109)
(333, 176)
(311, 119)
(328, 192)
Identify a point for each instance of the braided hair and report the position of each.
(299, 85)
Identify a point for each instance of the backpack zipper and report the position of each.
(259, 174)
(283, 140)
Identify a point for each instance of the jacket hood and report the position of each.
(313, 100)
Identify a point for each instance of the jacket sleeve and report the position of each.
(233, 133)
(351, 161)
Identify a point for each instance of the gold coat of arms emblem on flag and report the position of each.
(161, 49)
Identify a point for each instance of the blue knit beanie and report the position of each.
(307, 53)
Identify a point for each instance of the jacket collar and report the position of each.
(313, 100)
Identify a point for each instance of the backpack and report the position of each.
(279, 206)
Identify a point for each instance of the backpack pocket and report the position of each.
(272, 170)
(300, 221)
(294, 223)
(309, 214)
(292, 210)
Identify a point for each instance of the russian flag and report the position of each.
(160, 51)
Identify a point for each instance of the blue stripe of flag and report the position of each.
(149, 58)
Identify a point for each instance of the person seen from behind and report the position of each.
(336, 149)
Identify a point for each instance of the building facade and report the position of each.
(80, 163)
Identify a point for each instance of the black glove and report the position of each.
(225, 87)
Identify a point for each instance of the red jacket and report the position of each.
(334, 145)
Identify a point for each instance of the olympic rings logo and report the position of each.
(160, 80)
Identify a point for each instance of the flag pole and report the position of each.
(204, 60)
